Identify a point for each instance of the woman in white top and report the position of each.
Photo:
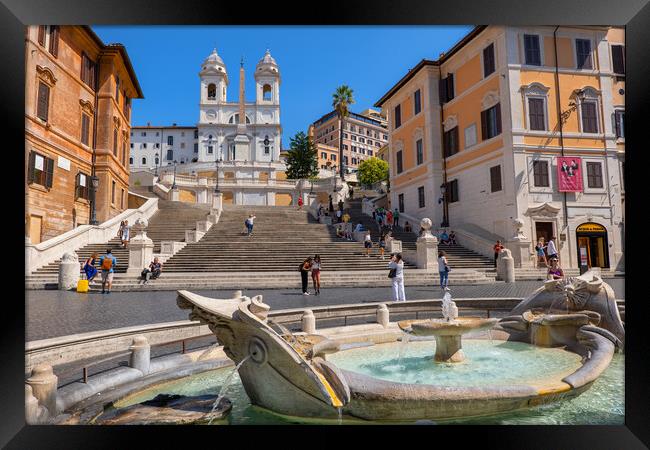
(315, 274)
(367, 242)
(125, 234)
(443, 269)
(398, 280)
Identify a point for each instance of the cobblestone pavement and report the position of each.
(60, 313)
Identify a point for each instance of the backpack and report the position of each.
(107, 263)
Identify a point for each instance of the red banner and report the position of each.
(569, 174)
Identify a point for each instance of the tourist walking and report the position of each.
(367, 243)
(119, 231)
(396, 274)
(331, 204)
(443, 269)
(107, 263)
(305, 267)
(351, 193)
(551, 251)
(299, 203)
(125, 233)
(396, 217)
(382, 245)
(380, 221)
(539, 251)
(89, 267)
(315, 274)
(339, 215)
(554, 271)
(249, 224)
(497, 249)
(389, 219)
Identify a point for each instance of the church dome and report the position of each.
(267, 63)
(213, 62)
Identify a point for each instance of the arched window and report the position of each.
(266, 92)
(235, 119)
(144, 161)
(212, 91)
(131, 160)
(157, 161)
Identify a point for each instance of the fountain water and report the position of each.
(402, 348)
(226, 384)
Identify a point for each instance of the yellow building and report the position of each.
(482, 123)
(327, 156)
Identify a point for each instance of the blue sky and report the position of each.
(313, 61)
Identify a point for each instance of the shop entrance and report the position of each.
(592, 238)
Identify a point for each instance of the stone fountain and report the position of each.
(447, 331)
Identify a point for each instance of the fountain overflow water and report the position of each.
(224, 388)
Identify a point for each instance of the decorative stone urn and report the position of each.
(140, 247)
(427, 247)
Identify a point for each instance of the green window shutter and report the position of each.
(49, 172)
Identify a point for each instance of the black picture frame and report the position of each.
(634, 14)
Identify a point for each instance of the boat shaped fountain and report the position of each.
(289, 374)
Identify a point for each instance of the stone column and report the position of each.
(69, 271)
(34, 413)
(427, 248)
(506, 266)
(217, 201)
(382, 315)
(44, 384)
(140, 248)
(140, 354)
(309, 322)
(174, 195)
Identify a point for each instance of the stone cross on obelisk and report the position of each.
(242, 147)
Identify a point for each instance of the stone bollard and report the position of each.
(309, 322)
(140, 354)
(69, 271)
(34, 413)
(44, 384)
(382, 315)
(237, 294)
(506, 266)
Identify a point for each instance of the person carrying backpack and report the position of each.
(107, 263)
(249, 224)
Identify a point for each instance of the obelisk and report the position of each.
(242, 143)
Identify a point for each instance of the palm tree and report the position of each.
(341, 99)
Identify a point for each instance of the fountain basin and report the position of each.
(449, 346)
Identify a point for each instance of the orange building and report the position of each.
(327, 156)
(476, 134)
(78, 94)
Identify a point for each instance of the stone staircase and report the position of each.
(168, 223)
(282, 238)
(458, 257)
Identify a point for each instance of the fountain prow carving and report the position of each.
(281, 373)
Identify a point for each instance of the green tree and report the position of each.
(302, 158)
(372, 170)
(341, 100)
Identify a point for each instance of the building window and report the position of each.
(127, 107)
(618, 59)
(144, 161)
(41, 34)
(156, 145)
(354, 138)
(369, 152)
(495, 178)
(323, 155)
(450, 140)
(398, 116)
(210, 149)
(156, 161)
(113, 192)
(117, 89)
(54, 40)
(182, 144)
(594, 175)
(583, 53)
(131, 160)
(81, 186)
(88, 71)
(144, 133)
(41, 170)
(212, 91)
(419, 152)
(536, 114)
(400, 201)
(452, 191)
(421, 196)
(196, 147)
(345, 160)
(589, 117)
(131, 144)
(470, 135)
(170, 140)
(398, 155)
(85, 128)
(488, 60)
(122, 199)
(362, 140)
(43, 103)
(144, 145)
(196, 134)
(532, 50)
(446, 88)
(333, 157)
(491, 122)
(417, 102)
(540, 174)
(124, 151)
(619, 123)
(115, 142)
(170, 155)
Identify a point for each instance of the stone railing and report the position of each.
(38, 255)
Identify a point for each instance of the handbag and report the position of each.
(392, 273)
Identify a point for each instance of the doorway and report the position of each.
(35, 229)
(592, 237)
(544, 230)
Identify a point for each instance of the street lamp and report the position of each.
(174, 183)
(156, 163)
(216, 187)
(443, 191)
(94, 184)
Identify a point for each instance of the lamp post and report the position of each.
(156, 163)
(94, 185)
(443, 191)
(216, 187)
(174, 183)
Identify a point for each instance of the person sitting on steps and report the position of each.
(153, 271)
